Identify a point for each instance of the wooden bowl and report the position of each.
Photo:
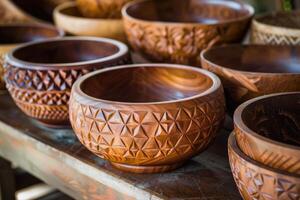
(268, 130)
(101, 9)
(177, 31)
(39, 75)
(67, 17)
(249, 71)
(257, 181)
(147, 118)
(15, 34)
(280, 28)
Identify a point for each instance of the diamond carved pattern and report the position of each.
(149, 134)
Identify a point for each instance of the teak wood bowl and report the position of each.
(249, 71)
(176, 31)
(101, 8)
(67, 17)
(12, 35)
(147, 118)
(39, 75)
(268, 130)
(257, 181)
(280, 28)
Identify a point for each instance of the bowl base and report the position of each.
(54, 126)
(146, 169)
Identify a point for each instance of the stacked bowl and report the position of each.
(264, 150)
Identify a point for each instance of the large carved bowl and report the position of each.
(15, 34)
(147, 118)
(279, 28)
(39, 75)
(67, 17)
(257, 181)
(176, 31)
(101, 9)
(249, 71)
(268, 130)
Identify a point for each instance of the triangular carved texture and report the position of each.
(150, 136)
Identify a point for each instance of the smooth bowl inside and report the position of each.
(14, 34)
(146, 84)
(70, 10)
(65, 51)
(256, 58)
(188, 11)
(275, 117)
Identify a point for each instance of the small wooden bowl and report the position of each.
(13, 35)
(67, 17)
(177, 31)
(257, 181)
(280, 28)
(39, 75)
(147, 118)
(101, 9)
(249, 71)
(268, 130)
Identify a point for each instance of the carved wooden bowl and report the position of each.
(147, 118)
(177, 31)
(249, 71)
(257, 181)
(15, 34)
(101, 9)
(39, 75)
(67, 17)
(268, 130)
(280, 28)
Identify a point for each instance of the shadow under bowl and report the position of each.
(148, 118)
(68, 18)
(39, 75)
(257, 181)
(278, 28)
(268, 130)
(12, 35)
(249, 71)
(177, 31)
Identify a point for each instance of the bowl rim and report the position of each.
(216, 84)
(232, 144)
(247, 7)
(58, 13)
(60, 31)
(214, 65)
(275, 28)
(11, 59)
(239, 123)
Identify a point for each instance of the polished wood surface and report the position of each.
(249, 71)
(101, 8)
(67, 17)
(257, 181)
(39, 75)
(267, 129)
(176, 31)
(147, 118)
(71, 168)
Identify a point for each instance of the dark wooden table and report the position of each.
(57, 157)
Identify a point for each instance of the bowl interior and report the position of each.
(282, 19)
(14, 34)
(71, 10)
(276, 117)
(201, 11)
(256, 58)
(65, 51)
(146, 84)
